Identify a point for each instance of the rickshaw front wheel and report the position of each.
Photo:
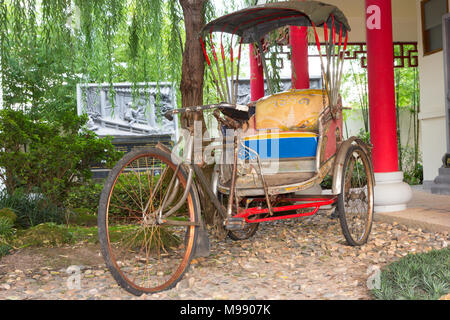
(143, 254)
(355, 202)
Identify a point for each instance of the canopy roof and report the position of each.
(254, 22)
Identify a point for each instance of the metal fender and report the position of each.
(338, 170)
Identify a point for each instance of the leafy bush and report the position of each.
(31, 210)
(364, 136)
(412, 169)
(4, 248)
(6, 232)
(84, 196)
(8, 214)
(6, 227)
(49, 158)
(45, 234)
(82, 217)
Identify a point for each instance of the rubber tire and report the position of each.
(230, 233)
(102, 234)
(341, 206)
(234, 237)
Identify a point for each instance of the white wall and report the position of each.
(432, 115)
(354, 122)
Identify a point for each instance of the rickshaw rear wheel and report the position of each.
(142, 255)
(355, 202)
(244, 234)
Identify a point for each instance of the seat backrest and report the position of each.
(294, 110)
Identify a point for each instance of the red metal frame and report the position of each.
(315, 204)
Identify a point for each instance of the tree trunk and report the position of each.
(191, 87)
(193, 66)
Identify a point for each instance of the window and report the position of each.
(432, 12)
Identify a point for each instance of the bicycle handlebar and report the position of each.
(223, 106)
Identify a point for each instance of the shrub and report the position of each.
(31, 210)
(6, 232)
(82, 217)
(413, 172)
(4, 248)
(84, 196)
(6, 227)
(45, 234)
(49, 158)
(364, 136)
(9, 214)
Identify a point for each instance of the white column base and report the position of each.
(391, 193)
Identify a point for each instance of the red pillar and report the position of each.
(256, 77)
(380, 65)
(300, 68)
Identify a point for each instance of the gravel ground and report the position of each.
(305, 258)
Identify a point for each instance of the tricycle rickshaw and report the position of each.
(272, 153)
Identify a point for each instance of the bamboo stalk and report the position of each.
(266, 71)
(232, 70)
(208, 61)
(322, 65)
(218, 68)
(342, 57)
(237, 73)
(225, 69)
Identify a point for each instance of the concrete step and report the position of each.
(427, 211)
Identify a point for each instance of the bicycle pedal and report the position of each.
(234, 224)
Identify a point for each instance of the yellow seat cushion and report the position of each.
(294, 110)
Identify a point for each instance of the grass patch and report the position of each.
(423, 276)
(54, 235)
(128, 234)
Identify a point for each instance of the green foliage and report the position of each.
(6, 233)
(82, 217)
(37, 57)
(412, 166)
(6, 227)
(364, 136)
(8, 214)
(42, 235)
(355, 91)
(327, 182)
(415, 176)
(5, 248)
(31, 209)
(424, 276)
(84, 196)
(48, 158)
